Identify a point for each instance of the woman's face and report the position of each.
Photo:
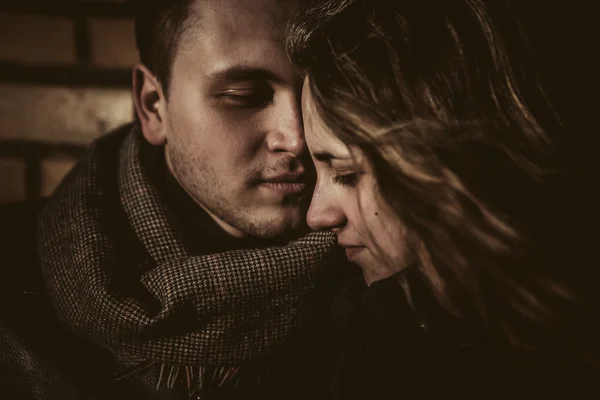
(347, 202)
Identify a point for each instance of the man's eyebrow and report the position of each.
(243, 73)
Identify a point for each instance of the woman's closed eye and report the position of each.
(347, 178)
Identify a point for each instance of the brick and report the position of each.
(112, 42)
(34, 39)
(12, 179)
(61, 114)
(53, 171)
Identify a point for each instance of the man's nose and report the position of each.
(288, 134)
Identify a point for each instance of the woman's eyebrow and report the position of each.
(325, 156)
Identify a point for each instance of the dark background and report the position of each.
(65, 73)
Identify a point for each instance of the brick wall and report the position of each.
(65, 72)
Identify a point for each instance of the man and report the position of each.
(172, 257)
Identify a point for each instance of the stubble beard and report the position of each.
(200, 180)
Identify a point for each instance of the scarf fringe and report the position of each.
(198, 378)
(201, 379)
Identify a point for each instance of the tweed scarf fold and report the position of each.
(170, 307)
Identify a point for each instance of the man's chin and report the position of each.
(282, 224)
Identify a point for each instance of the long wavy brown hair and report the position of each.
(446, 100)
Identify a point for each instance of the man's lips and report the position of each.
(286, 187)
(286, 183)
(298, 176)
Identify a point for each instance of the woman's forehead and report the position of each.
(320, 139)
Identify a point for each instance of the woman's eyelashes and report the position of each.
(349, 179)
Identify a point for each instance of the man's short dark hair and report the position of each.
(158, 28)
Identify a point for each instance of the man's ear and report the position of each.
(150, 105)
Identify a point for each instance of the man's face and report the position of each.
(234, 137)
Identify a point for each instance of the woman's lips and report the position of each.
(353, 252)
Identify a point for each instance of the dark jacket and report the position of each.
(383, 349)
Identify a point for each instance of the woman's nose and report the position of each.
(325, 212)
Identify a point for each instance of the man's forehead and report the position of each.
(237, 35)
(243, 17)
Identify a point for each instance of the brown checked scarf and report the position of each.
(198, 318)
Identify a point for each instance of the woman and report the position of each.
(447, 176)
